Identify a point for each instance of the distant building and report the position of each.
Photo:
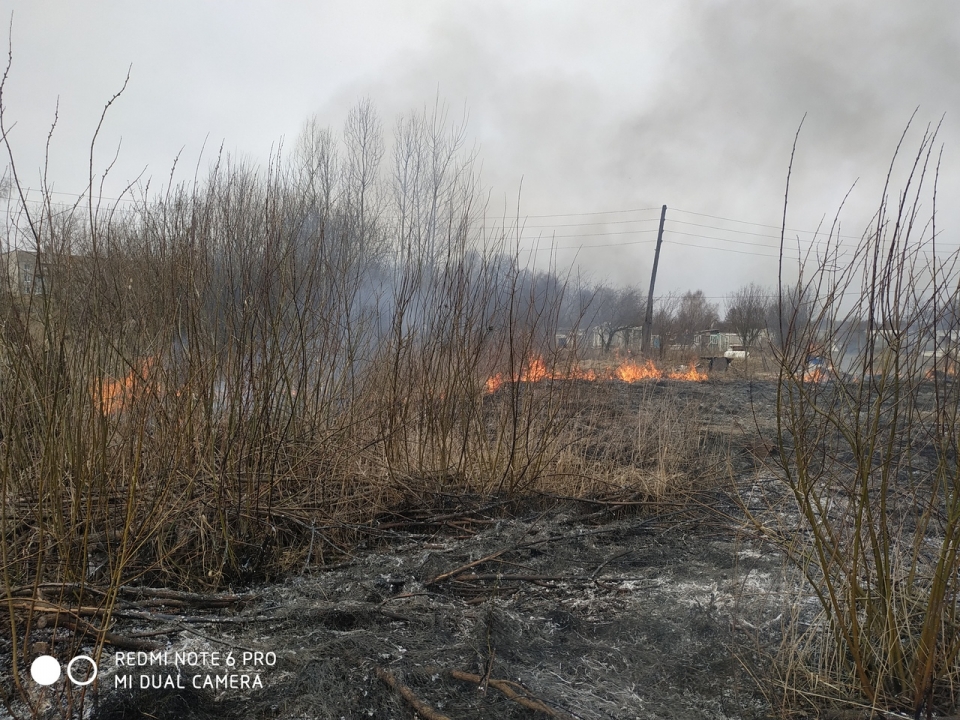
(20, 274)
(594, 338)
(715, 342)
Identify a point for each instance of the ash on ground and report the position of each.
(578, 609)
(665, 616)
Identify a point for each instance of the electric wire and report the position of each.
(670, 230)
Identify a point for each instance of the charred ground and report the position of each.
(510, 608)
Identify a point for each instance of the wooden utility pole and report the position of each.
(648, 320)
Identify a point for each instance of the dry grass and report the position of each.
(239, 377)
(867, 451)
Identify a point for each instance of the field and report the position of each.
(628, 605)
(332, 419)
(617, 603)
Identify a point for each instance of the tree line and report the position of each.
(615, 315)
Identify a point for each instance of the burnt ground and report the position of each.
(635, 617)
(583, 610)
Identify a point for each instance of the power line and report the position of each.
(674, 232)
(583, 214)
(589, 224)
(96, 198)
(588, 235)
(530, 238)
(739, 252)
(765, 246)
(747, 222)
(590, 247)
(775, 237)
(28, 191)
(672, 242)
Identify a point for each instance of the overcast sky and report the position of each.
(597, 106)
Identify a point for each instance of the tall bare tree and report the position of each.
(620, 311)
(695, 313)
(747, 311)
(665, 324)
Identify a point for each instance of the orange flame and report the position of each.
(493, 383)
(816, 375)
(578, 374)
(947, 369)
(536, 370)
(113, 395)
(631, 372)
(690, 374)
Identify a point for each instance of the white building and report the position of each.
(19, 274)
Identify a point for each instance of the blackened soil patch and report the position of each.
(188, 704)
(636, 617)
(586, 610)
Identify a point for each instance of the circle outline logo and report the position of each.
(90, 679)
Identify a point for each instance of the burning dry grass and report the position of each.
(628, 371)
(113, 395)
(290, 368)
(206, 496)
(206, 466)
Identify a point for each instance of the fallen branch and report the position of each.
(45, 607)
(462, 568)
(110, 638)
(195, 599)
(73, 620)
(137, 596)
(513, 691)
(190, 619)
(424, 710)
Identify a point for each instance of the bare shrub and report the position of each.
(233, 378)
(867, 449)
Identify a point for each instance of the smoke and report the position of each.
(611, 105)
(626, 105)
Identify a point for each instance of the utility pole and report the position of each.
(648, 320)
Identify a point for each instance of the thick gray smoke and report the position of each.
(599, 106)
(629, 106)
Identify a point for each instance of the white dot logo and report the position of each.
(45, 670)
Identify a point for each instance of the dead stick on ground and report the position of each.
(462, 568)
(524, 697)
(110, 638)
(424, 710)
(143, 596)
(198, 599)
(73, 620)
(43, 606)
